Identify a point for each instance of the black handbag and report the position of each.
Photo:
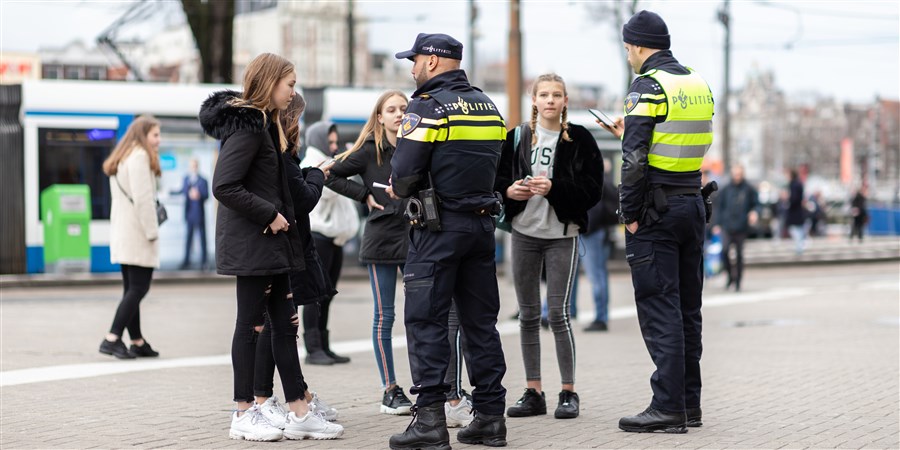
(161, 214)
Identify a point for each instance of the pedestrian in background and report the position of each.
(736, 212)
(334, 221)
(796, 213)
(308, 286)
(664, 140)
(257, 241)
(598, 244)
(859, 213)
(549, 179)
(195, 190)
(385, 239)
(133, 168)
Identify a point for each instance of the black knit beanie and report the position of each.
(646, 29)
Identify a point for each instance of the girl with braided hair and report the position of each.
(550, 174)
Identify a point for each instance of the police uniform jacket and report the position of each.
(252, 188)
(649, 96)
(577, 183)
(454, 132)
(385, 236)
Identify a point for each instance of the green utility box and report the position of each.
(66, 214)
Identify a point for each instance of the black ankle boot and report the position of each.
(485, 429)
(326, 347)
(314, 353)
(428, 429)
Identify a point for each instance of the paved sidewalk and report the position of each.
(804, 357)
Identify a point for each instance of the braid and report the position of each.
(565, 124)
(533, 124)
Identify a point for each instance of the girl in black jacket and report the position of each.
(257, 240)
(549, 177)
(385, 240)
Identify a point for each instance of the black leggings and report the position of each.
(253, 306)
(136, 281)
(315, 316)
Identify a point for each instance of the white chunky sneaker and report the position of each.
(274, 412)
(318, 406)
(253, 426)
(311, 426)
(459, 415)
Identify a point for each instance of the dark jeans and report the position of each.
(252, 304)
(264, 372)
(315, 316)
(735, 274)
(195, 228)
(136, 281)
(666, 261)
(456, 263)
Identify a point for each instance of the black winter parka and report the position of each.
(252, 188)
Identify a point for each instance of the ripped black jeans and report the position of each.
(252, 303)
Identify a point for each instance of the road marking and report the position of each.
(505, 328)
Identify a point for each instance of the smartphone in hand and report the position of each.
(603, 118)
(526, 180)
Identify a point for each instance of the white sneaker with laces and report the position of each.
(459, 415)
(311, 426)
(318, 406)
(253, 426)
(274, 412)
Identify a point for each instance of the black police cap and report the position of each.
(433, 44)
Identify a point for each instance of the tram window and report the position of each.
(75, 156)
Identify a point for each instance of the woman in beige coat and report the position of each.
(133, 168)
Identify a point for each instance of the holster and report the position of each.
(706, 192)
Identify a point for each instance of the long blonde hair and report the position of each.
(564, 119)
(290, 121)
(260, 78)
(372, 126)
(135, 136)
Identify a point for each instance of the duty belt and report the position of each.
(672, 191)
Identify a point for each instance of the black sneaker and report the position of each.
(531, 404)
(652, 420)
(597, 326)
(396, 402)
(568, 405)
(144, 351)
(116, 348)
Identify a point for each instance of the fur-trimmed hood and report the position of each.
(220, 119)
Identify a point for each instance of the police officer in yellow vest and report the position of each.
(446, 161)
(666, 131)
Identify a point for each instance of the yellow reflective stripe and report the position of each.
(433, 121)
(674, 164)
(682, 139)
(654, 96)
(476, 133)
(476, 118)
(648, 109)
(422, 134)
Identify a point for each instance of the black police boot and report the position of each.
(694, 417)
(485, 429)
(531, 404)
(315, 355)
(326, 347)
(654, 420)
(428, 429)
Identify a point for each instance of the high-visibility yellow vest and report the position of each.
(680, 142)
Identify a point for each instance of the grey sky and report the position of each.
(849, 50)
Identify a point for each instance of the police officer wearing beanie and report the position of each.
(666, 131)
(450, 141)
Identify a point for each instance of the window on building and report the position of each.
(74, 72)
(51, 71)
(75, 156)
(95, 73)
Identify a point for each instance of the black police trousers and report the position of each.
(457, 263)
(666, 260)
